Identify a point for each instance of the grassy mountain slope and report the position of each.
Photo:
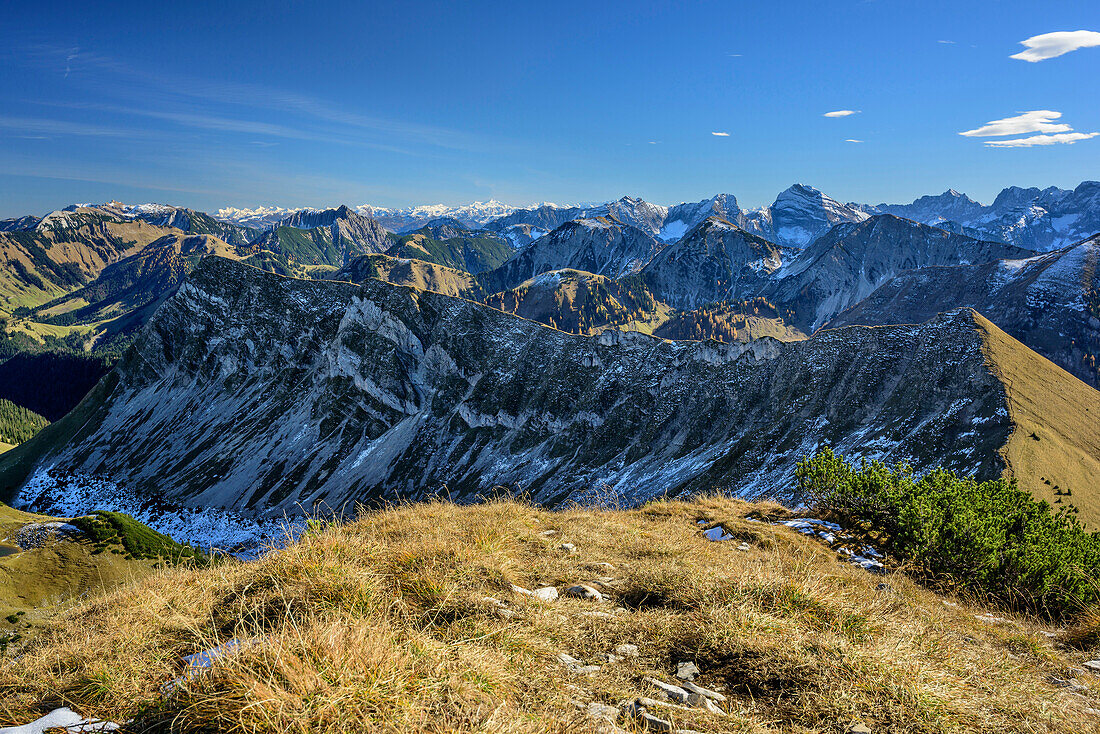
(1055, 442)
(469, 251)
(125, 294)
(64, 251)
(415, 273)
(423, 632)
(36, 579)
(585, 303)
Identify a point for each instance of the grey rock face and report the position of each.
(328, 237)
(602, 246)
(715, 261)
(1038, 219)
(267, 395)
(799, 216)
(851, 261)
(1051, 302)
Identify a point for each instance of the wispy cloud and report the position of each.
(853, 140)
(721, 135)
(841, 113)
(949, 43)
(735, 56)
(1062, 138)
(1035, 121)
(315, 116)
(47, 126)
(68, 61)
(1051, 45)
(653, 142)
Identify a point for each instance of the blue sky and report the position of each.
(291, 103)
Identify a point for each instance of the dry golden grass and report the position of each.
(1056, 439)
(382, 625)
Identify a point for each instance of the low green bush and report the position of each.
(988, 538)
(138, 540)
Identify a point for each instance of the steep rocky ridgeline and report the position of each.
(1037, 219)
(267, 394)
(682, 218)
(16, 224)
(852, 260)
(545, 217)
(307, 242)
(194, 222)
(603, 246)
(666, 223)
(715, 261)
(1051, 302)
(799, 216)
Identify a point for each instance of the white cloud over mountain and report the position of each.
(1035, 121)
(1051, 45)
(1040, 140)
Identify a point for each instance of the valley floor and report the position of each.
(439, 618)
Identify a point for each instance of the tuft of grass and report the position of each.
(389, 624)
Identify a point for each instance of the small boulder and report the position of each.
(686, 671)
(673, 693)
(858, 728)
(695, 688)
(567, 548)
(627, 650)
(583, 591)
(603, 712)
(700, 701)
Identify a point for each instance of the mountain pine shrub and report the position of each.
(989, 538)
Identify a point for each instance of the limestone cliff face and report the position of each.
(267, 394)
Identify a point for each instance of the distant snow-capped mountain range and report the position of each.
(1038, 219)
(476, 215)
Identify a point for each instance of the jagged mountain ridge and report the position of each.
(853, 259)
(266, 394)
(715, 261)
(1038, 219)
(603, 246)
(325, 239)
(193, 222)
(1050, 302)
